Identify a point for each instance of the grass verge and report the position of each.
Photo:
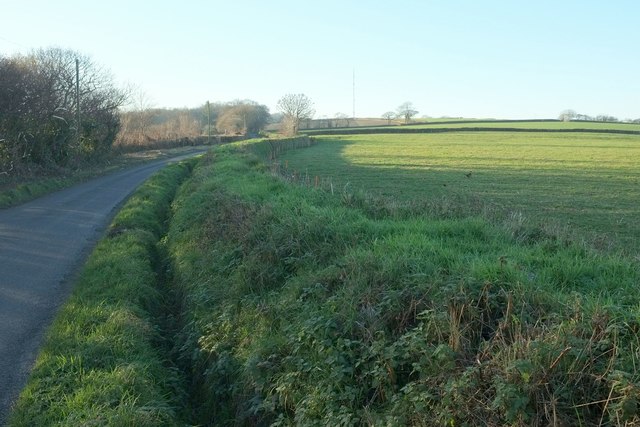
(302, 308)
(100, 363)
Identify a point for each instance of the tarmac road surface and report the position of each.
(43, 243)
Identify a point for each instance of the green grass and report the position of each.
(587, 182)
(439, 126)
(19, 192)
(530, 125)
(101, 364)
(303, 308)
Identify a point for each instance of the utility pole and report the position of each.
(208, 123)
(78, 99)
(354, 94)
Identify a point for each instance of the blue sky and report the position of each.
(500, 59)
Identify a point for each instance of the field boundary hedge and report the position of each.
(270, 149)
(403, 130)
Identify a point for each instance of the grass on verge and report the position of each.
(100, 363)
(306, 308)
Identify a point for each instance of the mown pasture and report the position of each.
(529, 124)
(586, 182)
(533, 125)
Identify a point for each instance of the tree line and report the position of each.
(144, 125)
(50, 119)
(569, 115)
(405, 111)
(60, 110)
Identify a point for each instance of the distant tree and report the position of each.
(584, 117)
(255, 116)
(276, 117)
(342, 119)
(567, 115)
(243, 117)
(606, 118)
(389, 115)
(407, 111)
(295, 108)
(230, 122)
(137, 122)
(163, 125)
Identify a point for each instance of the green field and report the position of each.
(528, 125)
(588, 182)
(484, 125)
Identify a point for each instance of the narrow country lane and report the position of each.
(42, 244)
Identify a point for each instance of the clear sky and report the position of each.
(467, 58)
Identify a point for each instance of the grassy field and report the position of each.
(529, 125)
(438, 125)
(588, 182)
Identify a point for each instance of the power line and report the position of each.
(78, 99)
(11, 41)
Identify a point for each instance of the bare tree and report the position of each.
(342, 120)
(136, 123)
(99, 98)
(607, 118)
(243, 117)
(389, 115)
(230, 122)
(295, 108)
(567, 115)
(407, 111)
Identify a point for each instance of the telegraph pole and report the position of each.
(354, 94)
(208, 123)
(78, 99)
